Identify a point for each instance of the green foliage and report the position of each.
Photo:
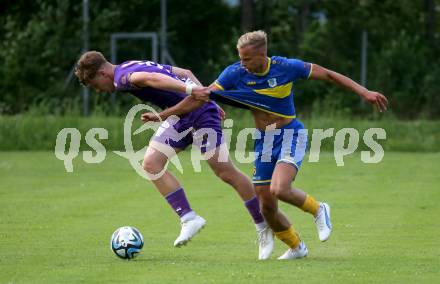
(41, 40)
(35, 54)
(38, 49)
(402, 63)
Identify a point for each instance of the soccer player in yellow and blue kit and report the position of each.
(265, 86)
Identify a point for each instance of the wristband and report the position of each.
(188, 90)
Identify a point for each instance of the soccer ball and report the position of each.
(126, 242)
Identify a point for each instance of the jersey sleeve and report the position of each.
(125, 70)
(169, 68)
(298, 69)
(122, 82)
(227, 79)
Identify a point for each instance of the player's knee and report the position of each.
(277, 189)
(151, 166)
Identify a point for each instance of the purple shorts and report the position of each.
(201, 127)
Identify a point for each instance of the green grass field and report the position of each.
(55, 226)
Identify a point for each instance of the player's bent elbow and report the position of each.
(187, 73)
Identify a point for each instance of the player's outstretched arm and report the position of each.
(185, 73)
(164, 82)
(187, 105)
(375, 98)
(157, 81)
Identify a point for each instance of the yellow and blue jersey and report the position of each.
(271, 91)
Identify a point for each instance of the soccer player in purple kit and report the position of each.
(165, 86)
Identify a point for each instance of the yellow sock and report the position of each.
(289, 237)
(310, 205)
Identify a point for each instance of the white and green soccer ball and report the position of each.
(127, 242)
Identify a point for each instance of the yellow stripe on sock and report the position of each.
(310, 205)
(289, 237)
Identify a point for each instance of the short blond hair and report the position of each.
(256, 39)
(88, 65)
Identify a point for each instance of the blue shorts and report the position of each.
(283, 145)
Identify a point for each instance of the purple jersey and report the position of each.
(204, 117)
(161, 98)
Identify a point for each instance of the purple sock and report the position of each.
(253, 207)
(178, 202)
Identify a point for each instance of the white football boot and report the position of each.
(265, 243)
(323, 223)
(298, 252)
(189, 229)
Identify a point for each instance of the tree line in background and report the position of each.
(41, 40)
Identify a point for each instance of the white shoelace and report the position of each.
(318, 221)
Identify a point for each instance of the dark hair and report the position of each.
(88, 65)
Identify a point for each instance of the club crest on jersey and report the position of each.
(272, 82)
(123, 80)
